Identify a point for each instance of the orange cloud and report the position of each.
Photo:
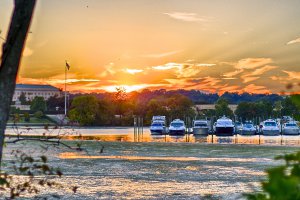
(184, 70)
(233, 73)
(254, 75)
(252, 63)
(252, 88)
(292, 74)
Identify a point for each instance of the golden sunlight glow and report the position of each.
(204, 45)
(128, 88)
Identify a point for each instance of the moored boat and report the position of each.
(158, 125)
(224, 127)
(248, 129)
(238, 126)
(177, 127)
(290, 128)
(200, 127)
(270, 127)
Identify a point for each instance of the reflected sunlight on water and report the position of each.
(72, 155)
(159, 167)
(127, 135)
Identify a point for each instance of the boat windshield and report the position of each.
(176, 124)
(270, 124)
(228, 123)
(201, 124)
(248, 125)
(156, 124)
(291, 125)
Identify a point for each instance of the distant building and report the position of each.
(212, 107)
(32, 91)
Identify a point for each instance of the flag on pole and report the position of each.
(67, 65)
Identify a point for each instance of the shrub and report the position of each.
(38, 114)
(26, 117)
(283, 181)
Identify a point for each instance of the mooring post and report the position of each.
(258, 137)
(134, 129)
(139, 121)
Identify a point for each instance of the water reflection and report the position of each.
(127, 135)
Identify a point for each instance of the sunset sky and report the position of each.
(210, 45)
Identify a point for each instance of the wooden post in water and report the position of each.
(134, 128)
(142, 124)
(138, 129)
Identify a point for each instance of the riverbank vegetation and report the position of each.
(283, 181)
(118, 109)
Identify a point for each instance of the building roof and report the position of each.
(35, 87)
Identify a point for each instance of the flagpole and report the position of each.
(66, 90)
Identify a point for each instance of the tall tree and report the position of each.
(38, 104)
(222, 108)
(246, 110)
(84, 110)
(22, 98)
(120, 99)
(11, 57)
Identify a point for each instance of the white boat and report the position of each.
(200, 127)
(248, 129)
(158, 125)
(238, 126)
(224, 127)
(177, 127)
(290, 128)
(270, 127)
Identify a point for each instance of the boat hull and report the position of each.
(270, 132)
(157, 132)
(224, 131)
(247, 132)
(290, 132)
(238, 130)
(200, 131)
(176, 132)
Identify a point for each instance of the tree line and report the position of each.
(119, 108)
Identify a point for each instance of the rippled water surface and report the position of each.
(160, 167)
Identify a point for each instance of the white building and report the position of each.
(212, 107)
(32, 91)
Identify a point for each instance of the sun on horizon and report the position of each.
(213, 46)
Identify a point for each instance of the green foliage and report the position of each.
(173, 106)
(88, 110)
(84, 110)
(246, 110)
(222, 108)
(38, 104)
(277, 109)
(105, 112)
(283, 181)
(16, 118)
(14, 110)
(22, 99)
(55, 101)
(26, 117)
(262, 109)
(39, 114)
(289, 107)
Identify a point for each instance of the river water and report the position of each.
(120, 165)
